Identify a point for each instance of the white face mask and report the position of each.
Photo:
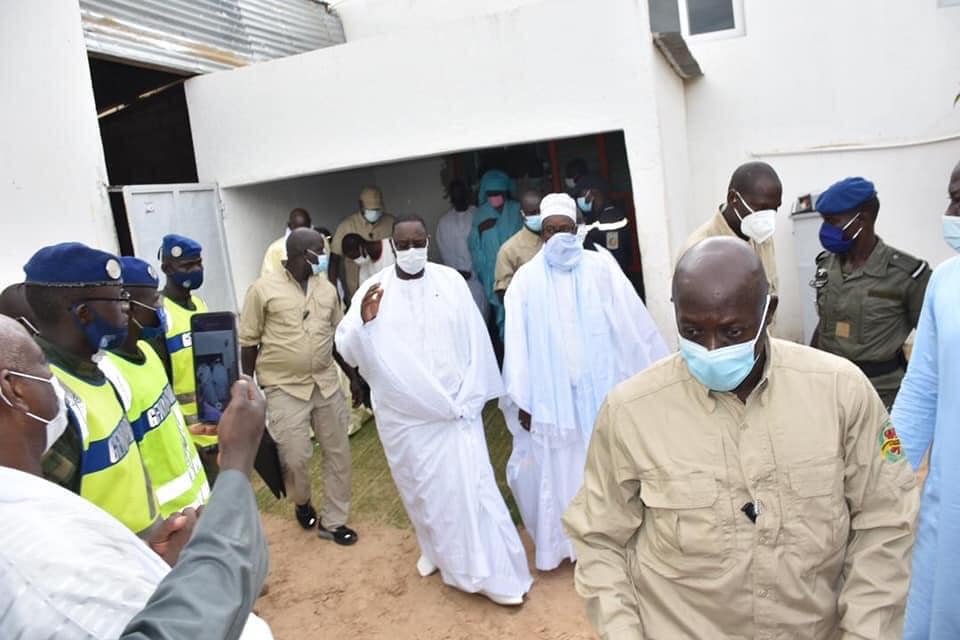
(58, 423)
(372, 215)
(411, 261)
(759, 226)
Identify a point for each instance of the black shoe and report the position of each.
(343, 534)
(306, 515)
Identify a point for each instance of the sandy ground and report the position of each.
(318, 589)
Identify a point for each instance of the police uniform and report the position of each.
(866, 315)
(614, 232)
(112, 473)
(179, 340)
(155, 415)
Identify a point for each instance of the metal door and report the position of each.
(191, 210)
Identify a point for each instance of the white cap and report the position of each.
(558, 204)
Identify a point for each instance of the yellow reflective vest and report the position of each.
(161, 432)
(180, 350)
(113, 475)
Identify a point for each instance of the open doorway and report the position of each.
(256, 214)
(145, 131)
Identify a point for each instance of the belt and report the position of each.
(883, 367)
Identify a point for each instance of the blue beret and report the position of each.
(175, 246)
(73, 264)
(138, 273)
(845, 195)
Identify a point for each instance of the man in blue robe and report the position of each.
(927, 418)
(495, 221)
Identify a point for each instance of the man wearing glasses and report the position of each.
(76, 294)
(286, 335)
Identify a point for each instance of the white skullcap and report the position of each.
(558, 204)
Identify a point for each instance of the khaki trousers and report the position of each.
(290, 420)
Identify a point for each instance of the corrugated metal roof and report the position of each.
(199, 36)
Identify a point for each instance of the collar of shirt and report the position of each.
(879, 260)
(84, 368)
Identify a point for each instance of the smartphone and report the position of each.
(216, 361)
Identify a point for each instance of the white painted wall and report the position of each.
(366, 18)
(423, 91)
(52, 171)
(817, 73)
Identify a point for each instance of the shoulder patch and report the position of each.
(905, 262)
(889, 442)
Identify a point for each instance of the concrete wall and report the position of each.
(52, 171)
(874, 72)
(366, 18)
(423, 91)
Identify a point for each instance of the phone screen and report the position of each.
(216, 362)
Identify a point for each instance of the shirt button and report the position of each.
(762, 593)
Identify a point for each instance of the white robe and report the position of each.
(69, 570)
(452, 232)
(570, 337)
(431, 369)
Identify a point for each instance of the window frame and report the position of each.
(738, 31)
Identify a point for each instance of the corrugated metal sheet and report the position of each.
(199, 36)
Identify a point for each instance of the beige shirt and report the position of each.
(356, 223)
(294, 332)
(515, 252)
(717, 226)
(664, 550)
(274, 258)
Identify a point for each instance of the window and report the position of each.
(712, 19)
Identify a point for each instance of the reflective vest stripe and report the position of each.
(178, 342)
(182, 484)
(108, 451)
(155, 415)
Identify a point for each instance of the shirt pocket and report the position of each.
(818, 521)
(882, 310)
(684, 530)
(286, 312)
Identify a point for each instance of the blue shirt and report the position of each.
(927, 414)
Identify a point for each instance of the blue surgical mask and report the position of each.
(563, 251)
(100, 334)
(156, 331)
(323, 261)
(832, 239)
(534, 223)
(583, 205)
(951, 231)
(189, 281)
(722, 369)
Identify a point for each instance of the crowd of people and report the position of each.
(743, 486)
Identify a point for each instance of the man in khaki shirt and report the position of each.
(369, 222)
(522, 246)
(753, 197)
(276, 253)
(286, 334)
(746, 487)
